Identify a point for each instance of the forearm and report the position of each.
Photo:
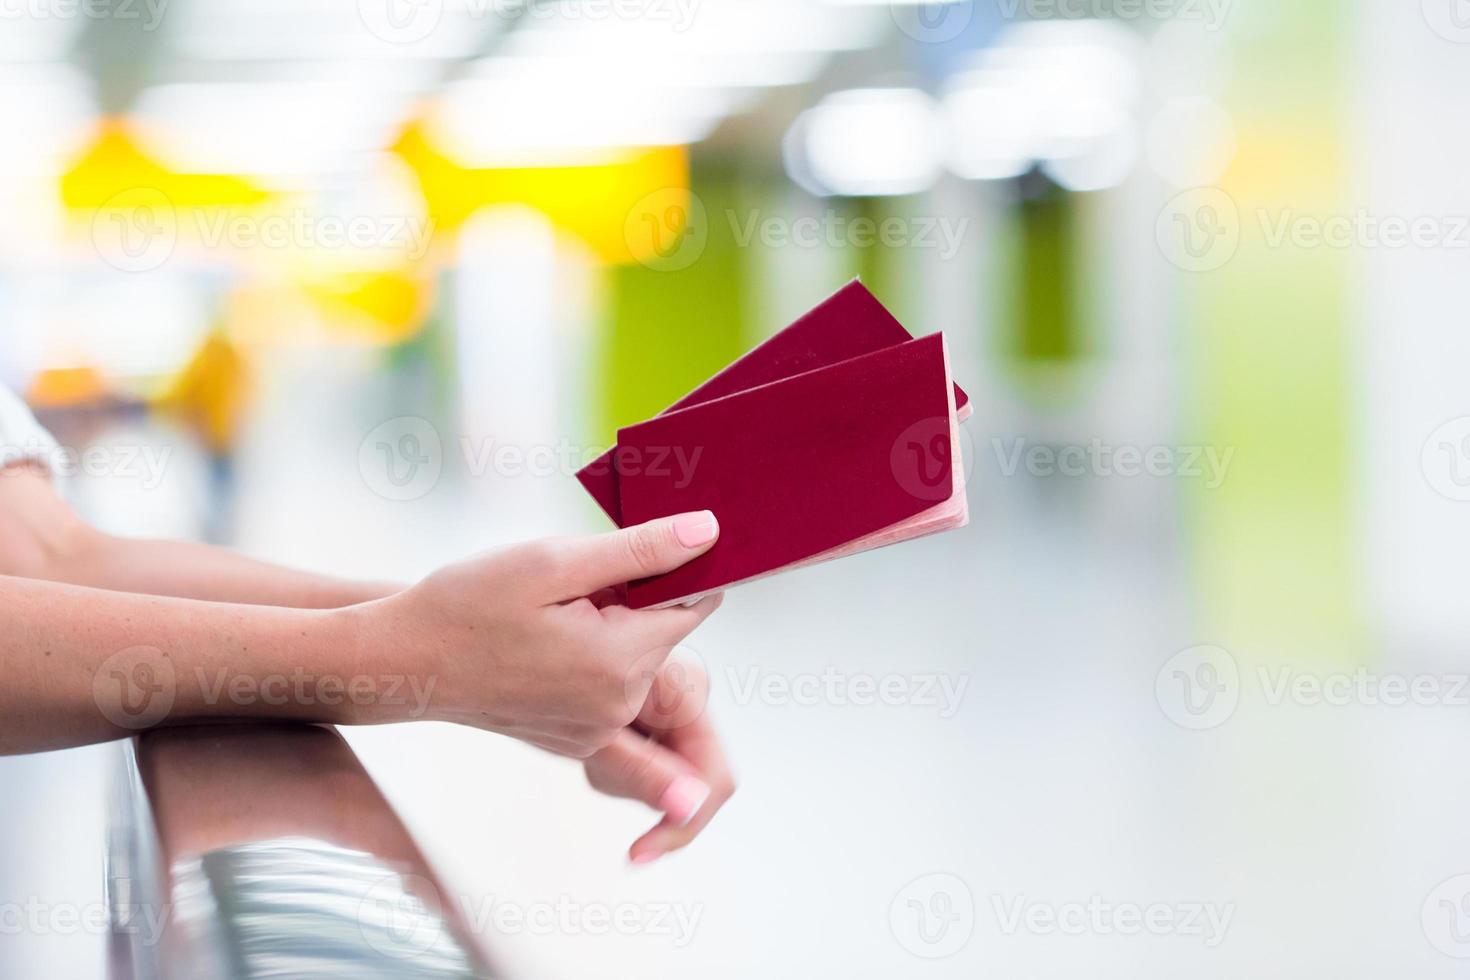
(86, 665)
(196, 571)
(42, 538)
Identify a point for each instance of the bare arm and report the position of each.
(85, 665)
(42, 538)
(504, 642)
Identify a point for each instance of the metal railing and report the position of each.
(267, 851)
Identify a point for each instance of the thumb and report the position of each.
(641, 551)
(639, 768)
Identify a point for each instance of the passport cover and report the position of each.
(825, 463)
(849, 323)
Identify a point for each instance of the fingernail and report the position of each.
(694, 530)
(682, 800)
(647, 857)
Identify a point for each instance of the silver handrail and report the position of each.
(238, 852)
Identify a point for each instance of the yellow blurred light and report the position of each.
(209, 394)
(593, 202)
(64, 387)
(115, 165)
(378, 307)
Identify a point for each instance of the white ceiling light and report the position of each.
(1058, 94)
(880, 141)
(34, 39)
(537, 111)
(992, 129)
(253, 30)
(45, 112)
(268, 129)
(1186, 58)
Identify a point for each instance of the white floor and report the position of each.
(1049, 819)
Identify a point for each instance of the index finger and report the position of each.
(698, 744)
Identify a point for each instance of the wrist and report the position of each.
(336, 594)
(382, 685)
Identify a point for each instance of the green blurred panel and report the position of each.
(887, 271)
(669, 329)
(1277, 555)
(1044, 326)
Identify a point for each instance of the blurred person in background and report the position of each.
(529, 641)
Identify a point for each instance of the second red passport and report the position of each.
(795, 468)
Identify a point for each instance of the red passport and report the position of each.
(849, 323)
(828, 462)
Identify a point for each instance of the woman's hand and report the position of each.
(512, 643)
(671, 759)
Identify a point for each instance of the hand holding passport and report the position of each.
(837, 435)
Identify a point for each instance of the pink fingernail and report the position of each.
(647, 857)
(682, 800)
(694, 530)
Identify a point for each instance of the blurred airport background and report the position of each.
(358, 284)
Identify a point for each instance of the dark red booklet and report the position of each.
(849, 323)
(835, 460)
